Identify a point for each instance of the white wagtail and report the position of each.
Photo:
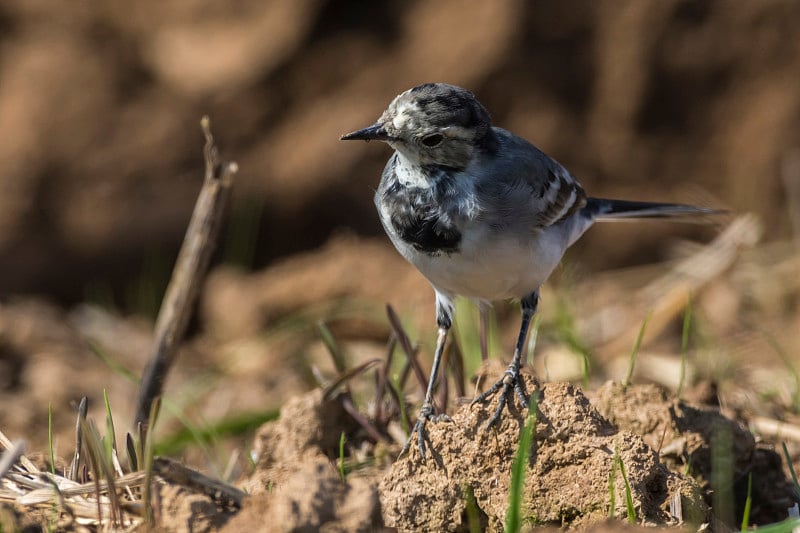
(481, 213)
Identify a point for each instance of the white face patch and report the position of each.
(400, 120)
(404, 111)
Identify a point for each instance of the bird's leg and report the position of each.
(511, 378)
(444, 318)
(483, 326)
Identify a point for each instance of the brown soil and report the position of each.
(179, 509)
(685, 437)
(567, 482)
(295, 484)
(312, 497)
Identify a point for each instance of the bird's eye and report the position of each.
(432, 140)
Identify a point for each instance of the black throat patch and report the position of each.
(421, 216)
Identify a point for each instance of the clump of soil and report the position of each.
(180, 509)
(687, 435)
(567, 481)
(312, 497)
(309, 427)
(296, 483)
(295, 486)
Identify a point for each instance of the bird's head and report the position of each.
(433, 124)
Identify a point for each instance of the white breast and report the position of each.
(491, 266)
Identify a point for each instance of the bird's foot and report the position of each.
(511, 380)
(426, 413)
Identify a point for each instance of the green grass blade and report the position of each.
(471, 508)
(133, 459)
(102, 468)
(586, 369)
(171, 408)
(518, 470)
(628, 496)
(791, 469)
(116, 367)
(337, 355)
(722, 468)
(635, 351)
(341, 458)
(148, 462)
(534, 336)
(787, 526)
(203, 435)
(111, 436)
(687, 470)
(568, 334)
(748, 503)
(230, 426)
(466, 332)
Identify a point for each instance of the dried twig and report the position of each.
(189, 271)
(455, 360)
(175, 472)
(405, 343)
(42, 492)
(383, 378)
(330, 388)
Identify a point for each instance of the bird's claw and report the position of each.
(426, 414)
(511, 380)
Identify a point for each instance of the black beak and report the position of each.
(370, 133)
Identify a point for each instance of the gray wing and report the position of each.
(520, 185)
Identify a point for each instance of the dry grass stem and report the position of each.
(189, 272)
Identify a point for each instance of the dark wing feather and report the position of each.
(523, 187)
(563, 197)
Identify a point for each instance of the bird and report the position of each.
(482, 214)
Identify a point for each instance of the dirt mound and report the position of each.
(576, 444)
(309, 427)
(295, 486)
(566, 483)
(689, 437)
(182, 510)
(312, 498)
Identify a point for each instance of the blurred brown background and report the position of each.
(680, 100)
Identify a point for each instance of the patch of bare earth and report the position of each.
(567, 481)
(689, 437)
(179, 509)
(296, 485)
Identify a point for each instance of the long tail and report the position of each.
(605, 209)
